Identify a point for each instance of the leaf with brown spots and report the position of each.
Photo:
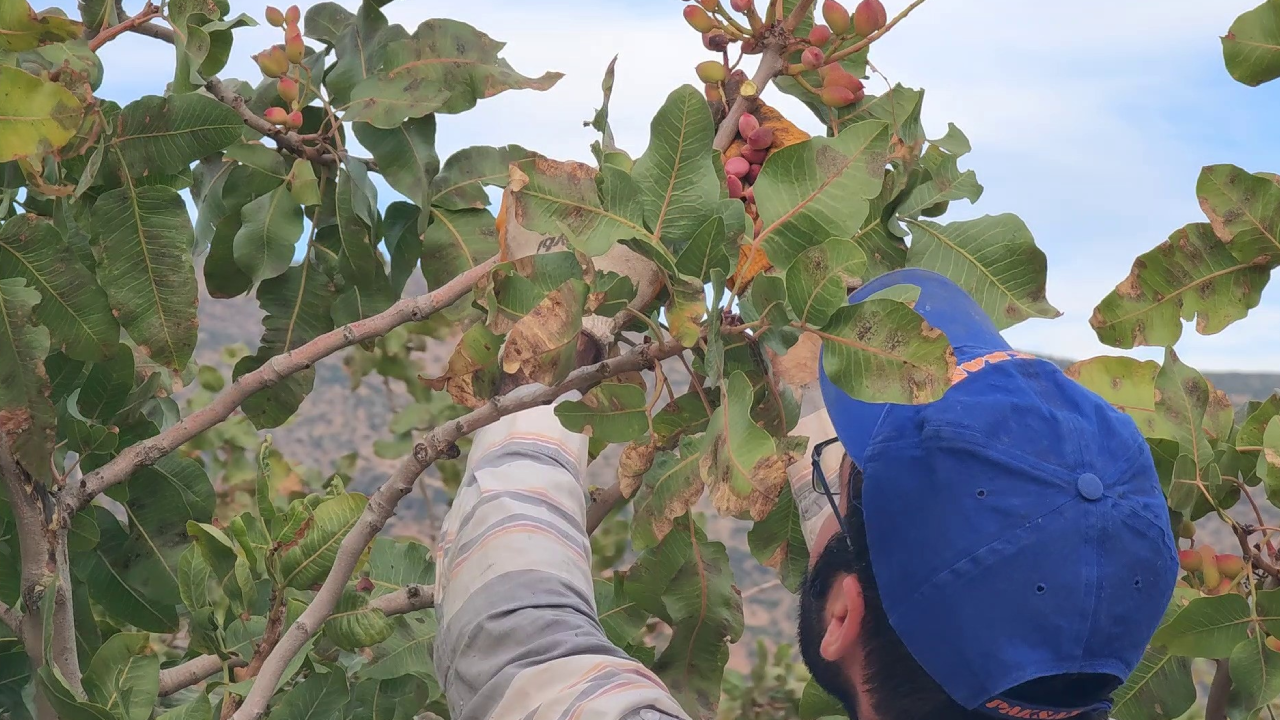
(994, 258)
(610, 412)
(446, 66)
(1244, 210)
(26, 415)
(1181, 399)
(1193, 274)
(778, 542)
(881, 350)
(672, 485)
(633, 463)
(540, 347)
(1251, 47)
(22, 28)
(472, 374)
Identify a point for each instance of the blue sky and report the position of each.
(1091, 120)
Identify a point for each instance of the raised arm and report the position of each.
(518, 636)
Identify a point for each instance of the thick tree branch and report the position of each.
(439, 443)
(407, 599)
(1216, 706)
(149, 451)
(191, 672)
(771, 63)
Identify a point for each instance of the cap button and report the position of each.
(1089, 486)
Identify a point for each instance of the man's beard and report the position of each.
(835, 559)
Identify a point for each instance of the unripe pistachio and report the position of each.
(295, 120)
(837, 97)
(1186, 529)
(275, 17)
(711, 71)
(1223, 586)
(748, 89)
(761, 138)
(716, 41)
(1273, 643)
(698, 18)
(740, 5)
(273, 62)
(735, 187)
(709, 5)
(752, 174)
(1190, 560)
(812, 58)
(276, 116)
(736, 167)
(288, 89)
(1209, 566)
(753, 156)
(1230, 565)
(836, 16)
(747, 124)
(294, 48)
(868, 17)
(820, 35)
(292, 15)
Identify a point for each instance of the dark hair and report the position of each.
(899, 688)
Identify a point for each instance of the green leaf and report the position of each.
(124, 676)
(306, 557)
(954, 141)
(15, 677)
(270, 228)
(303, 183)
(132, 588)
(406, 652)
(819, 189)
(361, 42)
(394, 564)
(623, 621)
(1269, 460)
(297, 306)
(392, 699)
(1251, 47)
(672, 485)
(456, 241)
(24, 391)
(816, 704)
(354, 624)
(406, 155)
(880, 350)
(142, 242)
(708, 250)
(1193, 274)
(472, 374)
(676, 174)
(358, 257)
(53, 687)
(36, 116)
(446, 66)
(1127, 383)
(319, 697)
(72, 306)
(1255, 677)
(688, 583)
(194, 576)
(1182, 396)
(563, 199)
(106, 388)
(994, 258)
(778, 541)
(163, 135)
(818, 281)
(197, 709)
(225, 564)
(1209, 627)
(22, 28)
(946, 183)
(1161, 686)
(83, 534)
(611, 412)
(541, 345)
(162, 499)
(461, 182)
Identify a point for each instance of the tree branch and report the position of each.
(771, 63)
(144, 17)
(149, 451)
(863, 43)
(1216, 706)
(191, 672)
(287, 139)
(10, 617)
(407, 599)
(159, 32)
(439, 443)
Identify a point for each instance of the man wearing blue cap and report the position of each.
(1003, 552)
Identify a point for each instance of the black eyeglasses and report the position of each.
(820, 485)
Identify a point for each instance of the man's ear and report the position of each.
(845, 608)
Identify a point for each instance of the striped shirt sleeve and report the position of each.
(518, 634)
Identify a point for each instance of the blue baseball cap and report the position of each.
(1016, 526)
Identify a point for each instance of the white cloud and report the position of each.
(1089, 120)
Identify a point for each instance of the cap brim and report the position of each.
(946, 306)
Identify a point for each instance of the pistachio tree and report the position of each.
(132, 587)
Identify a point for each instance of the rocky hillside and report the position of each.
(335, 421)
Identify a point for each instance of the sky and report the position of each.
(1091, 120)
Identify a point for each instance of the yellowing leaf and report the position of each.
(36, 116)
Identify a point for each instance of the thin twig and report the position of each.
(439, 443)
(146, 15)
(194, 671)
(1216, 706)
(148, 452)
(286, 139)
(863, 43)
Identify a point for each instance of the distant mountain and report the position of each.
(336, 420)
